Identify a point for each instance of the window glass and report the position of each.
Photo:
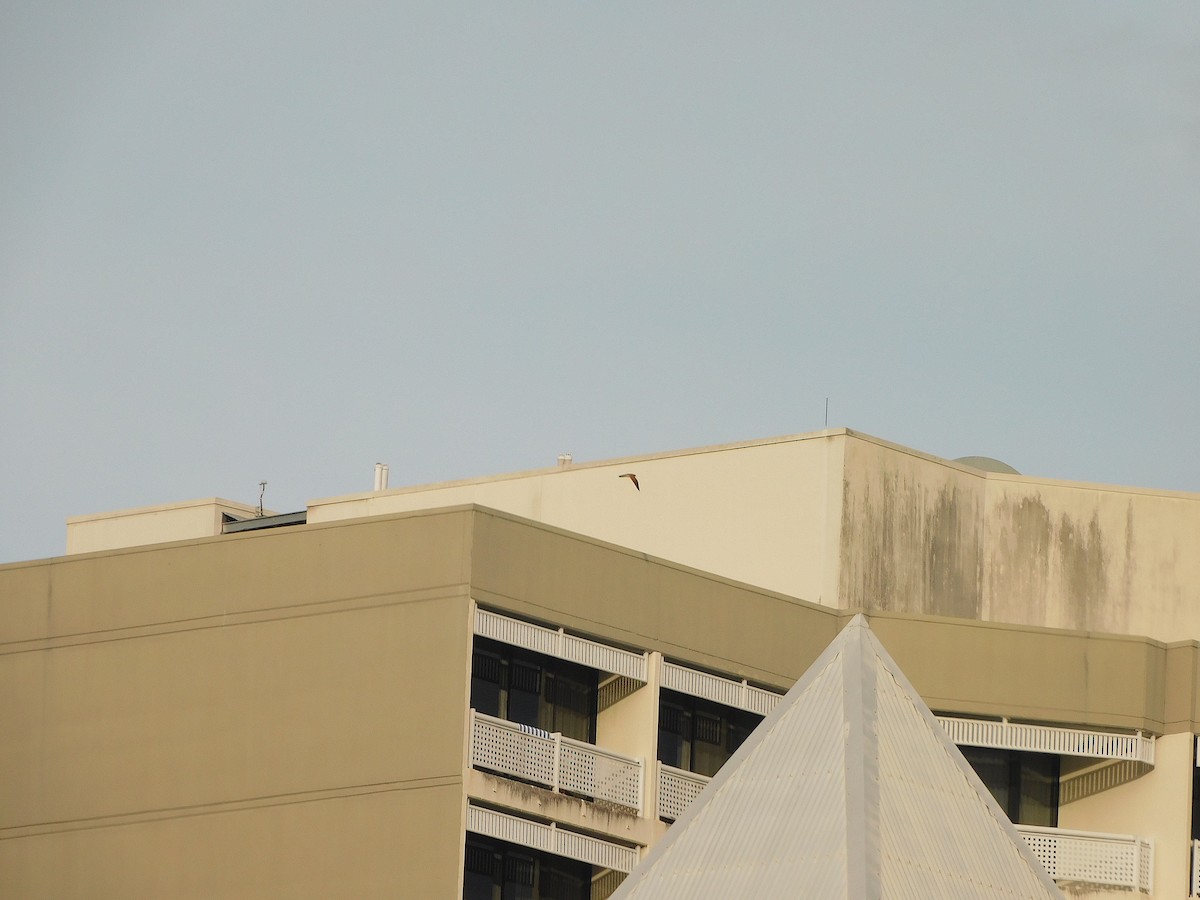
(675, 735)
(487, 680)
(1195, 791)
(534, 689)
(497, 870)
(562, 880)
(994, 770)
(699, 735)
(739, 730)
(1024, 784)
(570, 705)
(480, 881)
(1039, 789)
(708, 750)
(524, 693)
(518, 877)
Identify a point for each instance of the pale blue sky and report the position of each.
(284, 241)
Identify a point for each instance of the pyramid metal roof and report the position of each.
(848, 789)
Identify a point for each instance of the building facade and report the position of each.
(404, 697)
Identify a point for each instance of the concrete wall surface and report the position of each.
(354, 845)
(958, 665)
(1090, 557)
(151, 524)
(281, 713)
(912, 534)
(269, 715)
(854, 522)
(1156, 806)
(764, 512)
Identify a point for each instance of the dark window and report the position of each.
(699, 735)
(1024, 784)
(533, 689)
(1196, 791)
(495, 870)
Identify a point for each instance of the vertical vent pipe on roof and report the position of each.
(381, 477)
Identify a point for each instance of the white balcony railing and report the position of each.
(1085, 857)
(558, 762)
(1047, 739)
(551, 839)
(557, 643)
(1088, 857)
(737, 694)
(1003, 735)
(676, 790)
(1195, 891)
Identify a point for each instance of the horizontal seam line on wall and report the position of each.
(242, 617)
(225, 806)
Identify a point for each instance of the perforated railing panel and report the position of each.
(597, 773)
(676, 790)
(503, 747)
(556, 762)
(1086, 858)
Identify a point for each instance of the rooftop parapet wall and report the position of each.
(763, 512)
(925, 535)
(912, 532)
(152, 524)
(959, 665)
(1092, 557)
(595, 589)
(837, 518)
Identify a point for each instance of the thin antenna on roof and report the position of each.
(262, 489)
(826, 412)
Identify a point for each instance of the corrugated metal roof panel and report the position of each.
(851, 789)
(944, 836)
(747, 820)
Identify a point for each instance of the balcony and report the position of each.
(557, 762)
(560, 644)
(1092, 858)
(1080, 857)
(738, 694)
(1005, 735)
(551, 839)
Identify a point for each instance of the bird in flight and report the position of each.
(632, 478)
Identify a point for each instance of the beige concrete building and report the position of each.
(509, 687)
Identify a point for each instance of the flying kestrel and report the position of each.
(632, 478)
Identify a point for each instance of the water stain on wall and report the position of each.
(908, 548)
(1084, 581)
(1050, 568)
(1019, 574)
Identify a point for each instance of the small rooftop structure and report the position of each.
(154, 524)
(849, 789)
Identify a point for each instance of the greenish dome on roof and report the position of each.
(987, 464)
